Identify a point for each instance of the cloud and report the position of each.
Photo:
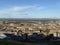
(18, 11)
(21, 8)
(24, 8)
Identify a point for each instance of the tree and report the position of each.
(19, 33)
(41, 31)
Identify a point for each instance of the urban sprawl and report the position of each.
(32, 29)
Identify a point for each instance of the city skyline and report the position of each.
(29, 8)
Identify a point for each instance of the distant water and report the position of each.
(37, 20)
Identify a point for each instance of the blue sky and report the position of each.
(29, 8)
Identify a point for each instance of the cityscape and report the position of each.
(29, 22)
(19, 28)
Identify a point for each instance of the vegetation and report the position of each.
(6, 42)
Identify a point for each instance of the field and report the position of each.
(6, 42)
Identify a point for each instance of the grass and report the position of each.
(7, 42)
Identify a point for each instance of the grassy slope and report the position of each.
(5, 42)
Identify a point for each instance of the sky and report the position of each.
(29, 8)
